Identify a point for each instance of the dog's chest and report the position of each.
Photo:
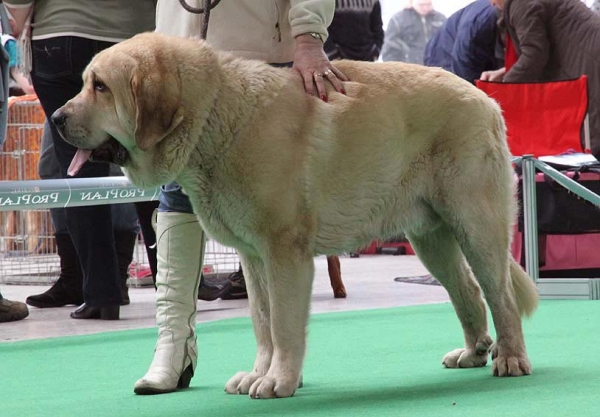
(222, 219)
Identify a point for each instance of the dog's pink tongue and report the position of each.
(79, 159)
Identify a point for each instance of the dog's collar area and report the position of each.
(110, 151)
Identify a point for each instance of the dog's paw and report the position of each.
(241, 382)
(511, 366)
(269, 387)
(465, 358)
(469, 358)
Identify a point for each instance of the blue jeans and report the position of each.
(171, 198)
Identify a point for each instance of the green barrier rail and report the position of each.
(74, 192)
(568, 183)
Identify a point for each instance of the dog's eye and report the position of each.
(99, 86)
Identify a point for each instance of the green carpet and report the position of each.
(369, 363)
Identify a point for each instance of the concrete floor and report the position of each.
(369, 281)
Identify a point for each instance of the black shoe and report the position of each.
(56, 296)
(238, 287)
(125, 293)
(210, 290)
(103, 313)
(68, 288)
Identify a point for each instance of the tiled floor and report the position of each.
(369, 281)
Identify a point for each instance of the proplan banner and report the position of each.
(44, 194)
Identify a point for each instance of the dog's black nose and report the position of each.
(59, 118)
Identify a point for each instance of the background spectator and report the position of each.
(468, 43)
(356, 31)
(409, 31)
(65, 36)
(554, 40)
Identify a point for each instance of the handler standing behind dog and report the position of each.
(65, 35)
(279, 32)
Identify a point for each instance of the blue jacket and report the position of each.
(467, 43)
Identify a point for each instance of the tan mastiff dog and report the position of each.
(283, 176)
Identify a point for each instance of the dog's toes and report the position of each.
(240, 383)
(263, 388)
(269, 387)
(511, 366)
(465, 358)
(450, 360)
(247, 382)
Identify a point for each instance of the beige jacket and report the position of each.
(234, 24)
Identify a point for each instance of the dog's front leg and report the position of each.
(258, 297)
(290, 275)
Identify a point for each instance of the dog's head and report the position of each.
(130, 102)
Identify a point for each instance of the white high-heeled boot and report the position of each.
(180, 247)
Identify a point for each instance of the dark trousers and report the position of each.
(58, 64)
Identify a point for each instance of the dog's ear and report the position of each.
(158, 109)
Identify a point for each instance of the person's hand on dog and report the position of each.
(314, 67)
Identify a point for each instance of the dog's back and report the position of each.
(387, 155)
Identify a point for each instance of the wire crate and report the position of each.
(219, 258)
(25, 235)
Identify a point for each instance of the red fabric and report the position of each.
(510, 54)
(565, 251)
(541, 118)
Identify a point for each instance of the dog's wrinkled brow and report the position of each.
(88, 74)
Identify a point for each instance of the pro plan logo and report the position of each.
(114, 194)
(29, 197)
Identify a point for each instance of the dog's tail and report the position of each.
(525, 290)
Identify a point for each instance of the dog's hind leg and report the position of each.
(258, 297)
(440, 253)
(508, 291)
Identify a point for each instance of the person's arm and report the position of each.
(377, 27)
(394, 48)
(309, 20)
(18, 11)
(527, 21)
(475, 46)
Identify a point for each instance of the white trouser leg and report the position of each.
(180, 252)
